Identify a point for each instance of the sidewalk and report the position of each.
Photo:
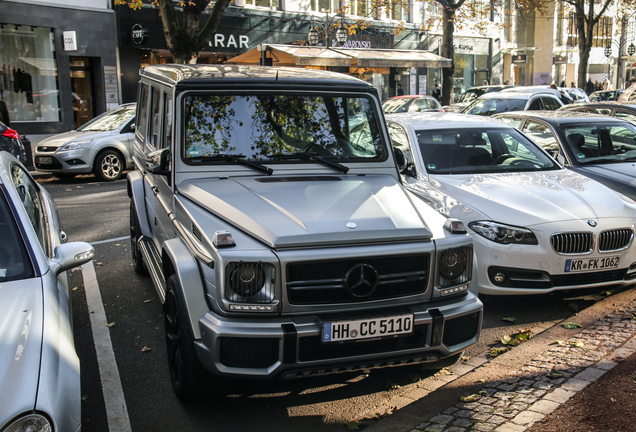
(509, 393)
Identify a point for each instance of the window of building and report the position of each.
(270, 4)
(325, 5)
(602, 33)
(28, 73)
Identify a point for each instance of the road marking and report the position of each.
(116, 411)
(110, 240)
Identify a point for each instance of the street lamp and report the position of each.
(325, 27)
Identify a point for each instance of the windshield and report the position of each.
(109, 121)
(14, 261)
(601, 143)
(484, 150)
(396, 105)
(486, 107)
(471, 95)
(265, 127)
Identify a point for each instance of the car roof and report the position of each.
(435, 120)
(603, 104)
(513, 95)
(560, 116)
(198, 75)
(411, 97)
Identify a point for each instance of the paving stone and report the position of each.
(435, 428)
(463, 423)
(505, 412)
(484, 427)
(495, 419)
(544, 406)
(483, 409)
(591, 374)
(575, 385)
(485, 400)
(510, 427)
(422, 426)
(455, 429)
(559, 395)
(464, 414)
(450, 410)
(442, 419)
(528, 417)
(506, 387)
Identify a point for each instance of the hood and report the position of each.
(63, 138)
(624, 172)
(527, 198)
(20, 341)
(285, 212)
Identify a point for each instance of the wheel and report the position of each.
(135, 232)
(64, 176)
(190, 381)
(108, 166)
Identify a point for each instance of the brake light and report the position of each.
(11, 134)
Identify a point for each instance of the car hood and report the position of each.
(525, 198)
(624, 172)
(285, 212)
(21, 340)
(63, 138)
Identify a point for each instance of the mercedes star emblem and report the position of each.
(361, 280)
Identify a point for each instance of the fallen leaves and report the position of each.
(555, 374)
(110, 325)
(512, 340)
(471, 398)
(509, 319)
(145, 349)
(572, 325)
(352, 425)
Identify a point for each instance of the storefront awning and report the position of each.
(292, 55)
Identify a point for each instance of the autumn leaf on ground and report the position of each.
(559, 342)
(577, 344)
(147, 301)
(471, 398)
(352, 425)
(74, 288)
(98, 263)
(482, 392)
(509, 319)
(110, 324)
(554, 374)
(145, 349)
(572, 325)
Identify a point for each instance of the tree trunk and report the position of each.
(448, 51)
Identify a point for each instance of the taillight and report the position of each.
(11, 134)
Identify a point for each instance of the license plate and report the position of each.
(367, 328)
(592, 264)
(45, 160)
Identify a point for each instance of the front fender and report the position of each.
(136, 194)
(187, 269)
(114, 145)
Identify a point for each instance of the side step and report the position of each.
(153, 264)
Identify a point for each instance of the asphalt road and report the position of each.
(98, 213)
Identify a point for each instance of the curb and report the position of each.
(512, 392)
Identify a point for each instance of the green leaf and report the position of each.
(509, 319)
(572, 325)
(352, 425)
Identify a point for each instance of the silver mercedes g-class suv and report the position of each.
(266, 205)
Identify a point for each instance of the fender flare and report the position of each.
(136, 193)
(175, 254)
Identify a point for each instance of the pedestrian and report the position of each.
(562, 83)
(605, 84)
(553, 86)
(506, 82)
(400, 92)
(572, 85)
(437, 94)
(589, 86)
(485, 82)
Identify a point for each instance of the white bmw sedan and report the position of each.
(536, 226)
(39, 369)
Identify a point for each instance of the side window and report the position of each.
(535, 105)
(626, 116)
(29, 194)
(142, 111)
(155, 118)
(511, 121)
(400, 140)
(167, 121)
(550, 104)
(542, 135)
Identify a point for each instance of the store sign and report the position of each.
(70, 41)
(139, 34)
(471, 46)
(559, 60)
(354, 44)
(229, 41)
(519, 58)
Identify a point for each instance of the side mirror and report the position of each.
(159, 162)
(560, 159)
(132, 127)
(71, 255)
(400, 160)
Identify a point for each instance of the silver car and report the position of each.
(39, 369)
(102, 146)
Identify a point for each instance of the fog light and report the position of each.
(499, 277)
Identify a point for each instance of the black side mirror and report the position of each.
(400, 160)
(159, 162)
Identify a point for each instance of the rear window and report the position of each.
(14, 260)
(486, 107)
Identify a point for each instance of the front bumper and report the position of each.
(291, 347)
(74, 161)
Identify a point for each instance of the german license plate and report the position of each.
(592, 264)
(45, 160)
(367, 328)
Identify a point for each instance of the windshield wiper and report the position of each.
(241, 161)
(305, 155)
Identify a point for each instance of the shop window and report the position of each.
(28, 73)
(271, 4)
(601, 34)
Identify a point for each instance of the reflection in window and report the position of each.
(109, 121)
(266, 127)
(601, 143)
(14, 261)
(30, 196)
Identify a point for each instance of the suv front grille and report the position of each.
(572, 243)
(615, 240)
(357, 279)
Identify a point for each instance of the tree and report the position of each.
(185, 38)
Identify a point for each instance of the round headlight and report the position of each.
(452, 263)
(247, 279)
(30, 423)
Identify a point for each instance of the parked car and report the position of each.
(629, 95)
(10, 142)
(560, 92)
(621, 110)
(39, 369)
(471, 95)
(503, 101)
(596, 146)
(606, 95)
(537, 227)
(578, 95)
(282, 235)
(103, 146)
(411, 103)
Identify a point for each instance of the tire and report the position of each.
(190, 381)
(135, 232)
(108, 166)
(64, 176)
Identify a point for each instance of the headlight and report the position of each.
(503, 233)
(452, 263)
(250, 282)
(75, 145)
(30, 423)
